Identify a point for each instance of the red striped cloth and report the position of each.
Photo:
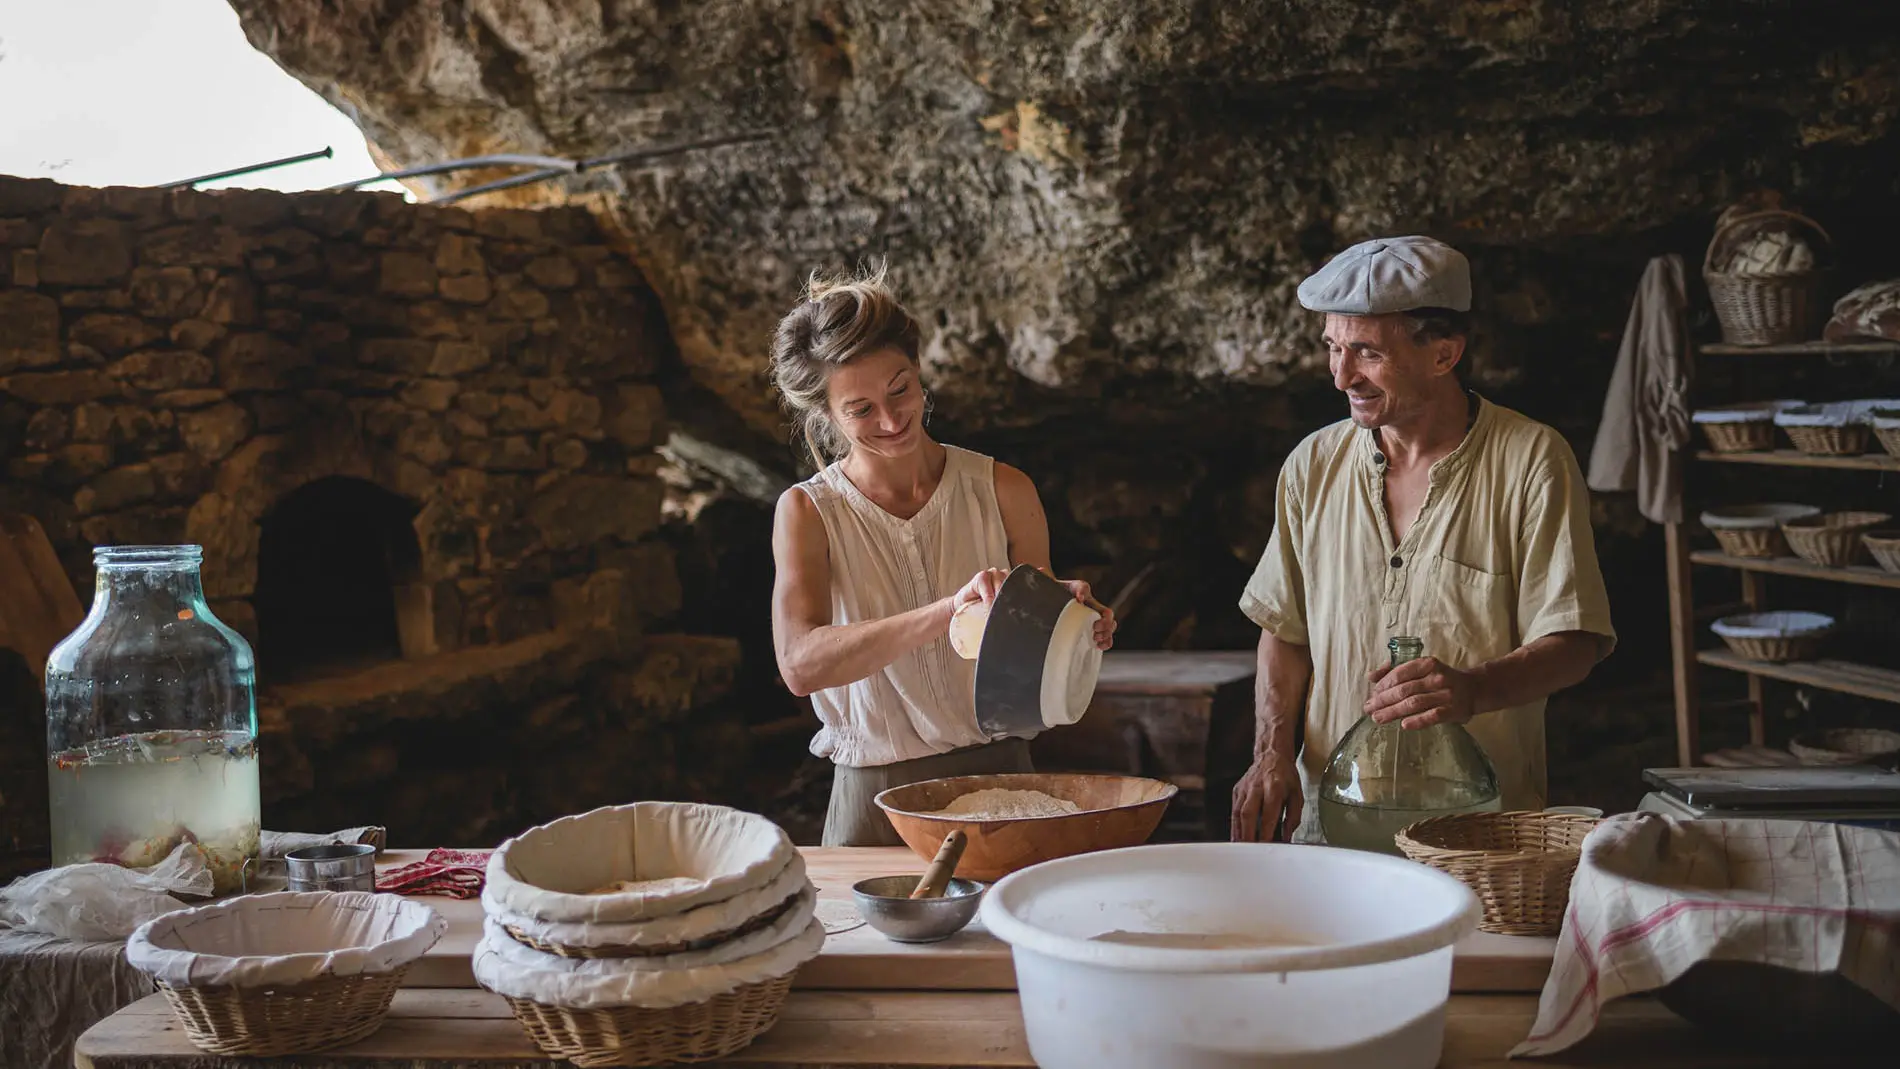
(454, 873)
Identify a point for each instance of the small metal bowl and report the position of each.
(885, 904)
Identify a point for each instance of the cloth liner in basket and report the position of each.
(690, 854)
(1754, 530)
(507, 968)
(713, 921)
(1751, 412)
(1774, 636)
(274, 940)
(276, 974)
(786, 928)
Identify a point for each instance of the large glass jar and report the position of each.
(1382, 777)
(151, 721)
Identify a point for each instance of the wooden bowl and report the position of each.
(1117, 811)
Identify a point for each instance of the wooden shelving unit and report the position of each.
(1790, 458)
(1860, 575)
(1686, 619)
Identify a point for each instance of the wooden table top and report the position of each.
(972, 960)
(438, 1029)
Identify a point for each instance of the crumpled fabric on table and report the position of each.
(1654, 895)
(279, 843)
(53, 989)
(453, 873)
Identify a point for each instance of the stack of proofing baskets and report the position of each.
(647, 934)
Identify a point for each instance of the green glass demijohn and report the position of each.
(1382, 778)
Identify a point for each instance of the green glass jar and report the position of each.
(1382, 778)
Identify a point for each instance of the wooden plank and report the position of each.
(1755, 593)
(1793, 458)
(38, 606)
(862, 959)
(1868, 347)
(1682, 630)
(928, 1031)
(1859, 575)
(1865, 681)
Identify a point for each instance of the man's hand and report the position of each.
(1270, 789)
(1421, 693)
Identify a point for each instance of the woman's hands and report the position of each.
(981, 587)
(1104, 627)
(984, 585)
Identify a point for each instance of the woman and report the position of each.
(878, 550)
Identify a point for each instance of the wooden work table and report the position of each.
(972, 960)
(868, 1003)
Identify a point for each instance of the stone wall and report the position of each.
(176, 365)
(173, 365)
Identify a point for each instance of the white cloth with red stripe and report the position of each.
(1654, 895)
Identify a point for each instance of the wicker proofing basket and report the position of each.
(632, 1036)
(1832, 540)
(1519, 863)
(1765, 309)
(1847, 746)
(1778, 649)
(1741, 436)
(269, 1022)
(1751, 541)
(1889, 438)
(1885, 547)
(1848, 439)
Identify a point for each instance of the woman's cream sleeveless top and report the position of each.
(920, 704)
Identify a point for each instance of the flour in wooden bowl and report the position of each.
(998, 804)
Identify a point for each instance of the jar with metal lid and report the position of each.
(1382, 778)
(151, 721)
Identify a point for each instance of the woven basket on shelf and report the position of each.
(1848, 439)
(1832, 540)
(1765, 309)
(754, 924)
(1847, 746)
(632, 1036)
(1885, 548)
(1777, 649)
(1519, 863)
(1889, 438)
(1751, 541)
(1741, 436)
(270, 1022)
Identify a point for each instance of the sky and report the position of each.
(150, 92)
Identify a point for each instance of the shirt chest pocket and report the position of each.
(1469, 612)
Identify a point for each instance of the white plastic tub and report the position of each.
(1271, 955)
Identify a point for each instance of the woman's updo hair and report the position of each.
(838, 321)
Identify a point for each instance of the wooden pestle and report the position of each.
(937, 877)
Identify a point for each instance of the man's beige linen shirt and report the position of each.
(1501, 555)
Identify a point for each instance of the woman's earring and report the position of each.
(930, 402)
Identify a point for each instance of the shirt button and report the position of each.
(1396, 562)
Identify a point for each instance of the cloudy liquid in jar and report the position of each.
(1375, 827)
(132, 799)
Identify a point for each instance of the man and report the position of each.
(1431, 512)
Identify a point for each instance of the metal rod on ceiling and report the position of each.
(637, 155)
(546, 167)
(553, 163)
(253, 168)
